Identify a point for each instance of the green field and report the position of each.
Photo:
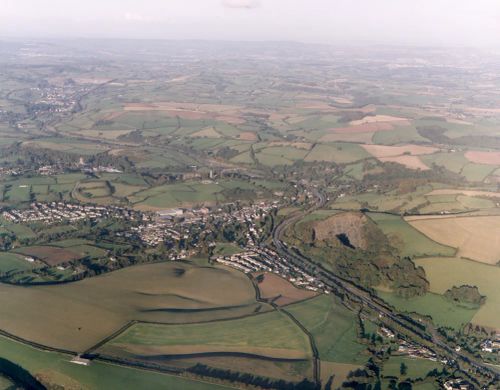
(225, 249)
(10, 262)
(443, 311)
(340, 153)
(175, 195)
(407, 240)
(271, 334)
(55, 369)
(21, 231)
(416, 368)
(444, 273)
(333, 327)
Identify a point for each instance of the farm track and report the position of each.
(314, 348)
(364, 297)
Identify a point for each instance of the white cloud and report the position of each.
(133, 17)
(241, 3)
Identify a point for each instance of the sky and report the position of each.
(414, 22)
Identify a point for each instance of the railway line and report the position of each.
(336, 283)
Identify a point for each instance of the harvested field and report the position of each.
(363, 128)
(411, 162)
(281, 291)
(477, 238)
(408, 240)
(192, 111)
(207, 132)
(489, 158)
(453, 191)
(378, 119)
(96, 307)
(50, 255)
(350, 224)
(392, 151)
(248, 136)
(365, 138)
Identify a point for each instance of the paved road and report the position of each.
(335, 282)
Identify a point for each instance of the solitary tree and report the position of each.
(403, 369)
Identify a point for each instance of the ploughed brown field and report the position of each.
(490, 158)
(281, 291)
(50, 255)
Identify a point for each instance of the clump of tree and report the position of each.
(465, 294)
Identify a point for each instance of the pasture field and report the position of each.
(12, 262)
(399, 135)
(380, 151)
(341, 153)
(242, 158)
(272, 335)
(96, 307)
(55, 369)
(355, 171)
(417, 368)
(67, 243)
(340, 372)
(6, 383)
(172, 195)
(377, 202)
(225, 248)
(20, 191)
(453, 161)
(333, 327)
(280, 291)
(318, 215)
(69, 145)
(443, 311)
(458, 163)
(444, 273)
(408, 240)
(476, 237)
(189, 194)
(477, 172)
(21, 231)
